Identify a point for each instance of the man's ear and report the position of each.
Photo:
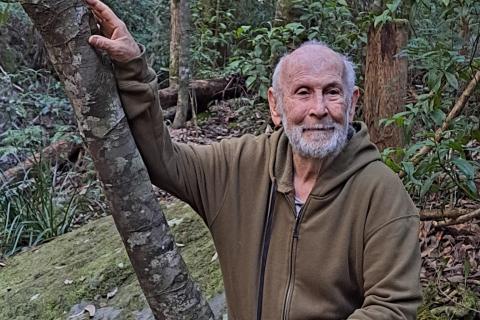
(273, 104)
(355, 96)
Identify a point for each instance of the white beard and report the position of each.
(320, 143)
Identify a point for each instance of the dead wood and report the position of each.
(58, 151)
(202, 92)
(460, 219)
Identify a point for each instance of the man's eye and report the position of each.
(302, 92)
(333, 92)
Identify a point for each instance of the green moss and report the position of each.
(197, 248)
(88, 263)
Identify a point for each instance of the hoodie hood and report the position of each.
(357, 153)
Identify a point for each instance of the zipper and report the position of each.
(293, 251)
(267, 233)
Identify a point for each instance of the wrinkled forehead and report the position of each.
(314, 59)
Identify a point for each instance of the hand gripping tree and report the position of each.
(90, 85)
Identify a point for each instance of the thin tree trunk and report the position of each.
(90, 86)
(284, 12)
(174, 41)
(184, 66)
(385, 82)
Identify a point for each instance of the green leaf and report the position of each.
(381, 19)
(472, 188)
(342, 3)
(465, 167)
(409, 170)
(263, 91)
(438, 116)
(427, 185)
(455, 146)
(446, 2)
(394, 6)
(249, 82)
(452, 80)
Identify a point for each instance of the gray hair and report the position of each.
(348, 73)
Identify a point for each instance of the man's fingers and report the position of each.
(97, 17)
(103, 12)
(101, 42)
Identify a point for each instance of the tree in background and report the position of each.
(285, 12)
(386, 75)
(174, 42)
(184, 70)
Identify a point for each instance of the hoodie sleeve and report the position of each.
(194, 174)
(391, 255)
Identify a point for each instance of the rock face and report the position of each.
(86, 274)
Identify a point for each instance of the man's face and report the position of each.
(314, 103)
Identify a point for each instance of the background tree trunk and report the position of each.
(184, 66)
(174, 41)
(90, 86)
(285, 12)
(386, 77)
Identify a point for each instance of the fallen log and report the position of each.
(58, 151)
(202, 92)
(460, 219)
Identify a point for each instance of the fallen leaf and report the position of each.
(215, 256)
(112, 293)
(180, 245)
(174, 222)
(90, 309)
(68, 281)
(35, 297)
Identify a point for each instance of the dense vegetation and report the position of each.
(241, 37)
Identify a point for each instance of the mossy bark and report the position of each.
(90, 85)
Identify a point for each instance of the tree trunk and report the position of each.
(385, 82)
(285, 12)
(174, 41)
(184, 67)
(90, 85)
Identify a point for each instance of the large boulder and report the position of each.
(88, 269)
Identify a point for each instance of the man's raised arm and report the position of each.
(177, 168)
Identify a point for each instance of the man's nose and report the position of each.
(318, 108)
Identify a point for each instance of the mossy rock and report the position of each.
(90, 263)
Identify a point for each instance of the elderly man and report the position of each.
(308, 222)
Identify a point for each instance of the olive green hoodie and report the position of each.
(352, 252)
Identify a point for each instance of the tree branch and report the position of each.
(461, 219)
(457, 108)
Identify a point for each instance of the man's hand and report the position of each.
(117, 41)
